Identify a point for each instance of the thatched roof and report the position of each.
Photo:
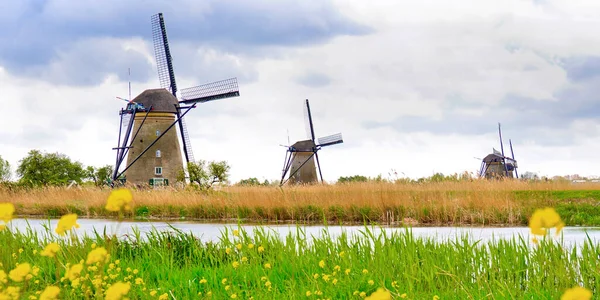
(161, 100)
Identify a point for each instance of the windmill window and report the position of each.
(158, 171)
(157, 132)
(157, 153)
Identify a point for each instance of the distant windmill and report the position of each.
(153, 113)
(299, 156)
(497, 165)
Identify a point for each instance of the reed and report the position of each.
(444, 203)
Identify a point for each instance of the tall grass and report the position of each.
(346, 267)
(476, 202)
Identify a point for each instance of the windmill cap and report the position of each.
(161, 100)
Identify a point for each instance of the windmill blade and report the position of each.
(164, 61)
(512, 153)
(211, 91)
(308, 124)
(331, 140)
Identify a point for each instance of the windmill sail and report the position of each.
(186, 141)
(164, 62)
(211, 91)
(331, 140)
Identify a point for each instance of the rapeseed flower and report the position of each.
(119, 199)
(6, 212)
(20, 272)
(380, 294)
(117, 291)
(50, 293)
(73, 272)
(3, 277)
(98, 255)
(50, 250)
(543, 219)
(577, 293)
(65, 223)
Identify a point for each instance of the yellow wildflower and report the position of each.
(236, 232)
(139, 281)
(227, 250)
(203, 280)
(50, 293)
(347, 271)
(436, 297)
(20, 272)
(66, 222)
(3, 277)
(371, 282)
(577, 293)
(119, 199)
(362, 294)
(235, 264)
(117, 291)
(342, 254)
(50, 250)
(163, 296)
(365, 271)
(233, 296)
(239, 246)
(97, 255)
(267, 266)
(244, 259)
(250, 246)
(403, 296)
(261, 249)
(308, 293)
(74, 271)
(153, 293)
(322, 264)
(6, 212)
(543, 219)
(380, 294)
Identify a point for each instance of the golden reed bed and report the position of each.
(476, 201)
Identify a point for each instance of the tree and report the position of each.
(44, 169)
(4, 170)
(206, 174)
(100, 176)
(355, 178)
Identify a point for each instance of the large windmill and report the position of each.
(153, 152)
(497, 165)
(300, 157)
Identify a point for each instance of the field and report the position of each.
(445, 203)
(260, 265)
(59, 264)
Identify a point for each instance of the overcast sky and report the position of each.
(413, 86)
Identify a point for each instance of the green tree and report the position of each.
(44, 169)
(4, 170)
(206, 174)
(355, 178)
(100, 176)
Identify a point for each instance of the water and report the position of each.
(212, 231)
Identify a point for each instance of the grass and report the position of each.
(346, 267)
(445, 203)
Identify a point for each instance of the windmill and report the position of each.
(497, 165)
(152, 115)
(300, 157)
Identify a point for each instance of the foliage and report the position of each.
(253, 181)
(205, 174)
(4, 170)
(45, 169)
(100, 176)
(355, 178)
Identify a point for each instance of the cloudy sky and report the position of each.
(413, 86)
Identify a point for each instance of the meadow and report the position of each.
(478, 202)
(59, 264)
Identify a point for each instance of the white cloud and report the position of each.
(426, 59)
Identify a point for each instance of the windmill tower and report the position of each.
(300, 157)
(153, 151)
(497, 165)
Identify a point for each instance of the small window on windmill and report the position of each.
(157, 153)
(158, 171)
(157, 132)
